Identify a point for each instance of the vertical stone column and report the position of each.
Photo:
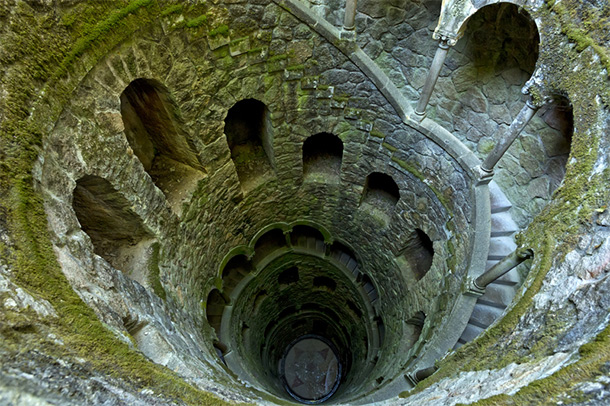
(503, 267)
(525, 115)
(433, 73)
(349, 23)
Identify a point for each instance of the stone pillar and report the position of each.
(525, 115)
(349, 23)
(435, 70)
(503, 267)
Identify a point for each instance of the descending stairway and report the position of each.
(500, 293)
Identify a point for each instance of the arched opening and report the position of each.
(156, 137)
(288, 276)
(234, 271)
(479, 90)
(414, 326)
(116, 232)
(322, 155)
(214, 308)
(249, 135)
(368, 286)
(417, 254)
(269, 242)
(381, 194)
(325, 282)
(556, 139)
(344, 255)
(307, 237)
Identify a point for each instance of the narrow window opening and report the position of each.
(288, 276)
(381, 194)
(214, 308)
(325, 282)
(557, 141)
(414, 328)
(155, 134)
(117, 233)
(417, 255)
(354, 309)
(322, 155)
(250, 139)
(234, 271)
(380, 329)
(268, 243)
(259, 299)
(307, 237)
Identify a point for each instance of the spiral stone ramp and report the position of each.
(303, 202)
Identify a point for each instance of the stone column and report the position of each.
(349, 23)
(503, 267)
(525, 115)
(435, 70)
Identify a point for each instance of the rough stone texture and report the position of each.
(479, 91)
(468, 387)
(64, 112)
(304, 96)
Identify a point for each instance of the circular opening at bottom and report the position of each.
(310, 369)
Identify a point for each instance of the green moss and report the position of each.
(276, 58)
(387, 146)
(256, 50)
(409, 168)
(377, 134)
(105, 26)
(593, 357)
(295, 67)
(51, 60)
(197, 22)
(220, 30)
(153, 272)
(580, 36)
(175, 9)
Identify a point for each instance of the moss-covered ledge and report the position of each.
(559, 227)
(46, 57)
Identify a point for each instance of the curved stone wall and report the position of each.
(174, 211)
(219, 210)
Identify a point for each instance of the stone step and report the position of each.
(499, 202)
(502, 224)
(484, 314)
(500, 294)
(470, 333)
(500, 247)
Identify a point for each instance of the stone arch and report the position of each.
(380, 192)
(288, 276)
(414, 326)
(117, 233)
(416, 255)
(323, 230)
(322, 156)
(154, 132)
(307, 237)
(236, 269)
(214, 308)
(268, 243)
(345, 256)
(250, 138)
(556, 139)
(479, 91)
